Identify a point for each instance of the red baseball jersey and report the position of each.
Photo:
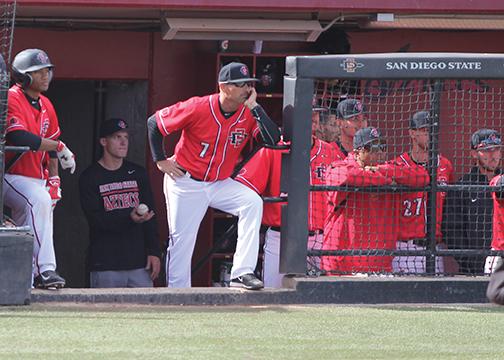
(339, 152)
(210, 144)
(414, 205)
(364, 220)
(21, 115)
(498, 218)
(262, 174)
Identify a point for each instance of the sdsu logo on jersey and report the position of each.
(45, 125)
(237, 137)
(320, 172)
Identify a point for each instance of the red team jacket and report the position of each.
(498, 218)
(210, 144)
(365, 220)
(413, 205)
(262, 174)
(21, 115)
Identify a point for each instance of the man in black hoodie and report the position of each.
(468, 215)
(124, 246)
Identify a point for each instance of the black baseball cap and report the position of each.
(110, 126)
(485, 139)
(420, 120)
(349, 108)
(234, 73)
(367, 136)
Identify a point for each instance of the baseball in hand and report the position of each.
(142, 209)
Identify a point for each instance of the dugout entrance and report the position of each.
(462, 93)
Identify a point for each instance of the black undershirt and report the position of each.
(33, 102)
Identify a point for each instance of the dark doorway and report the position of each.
(81, 105)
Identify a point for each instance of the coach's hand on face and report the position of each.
(170, 167)
(251, 100)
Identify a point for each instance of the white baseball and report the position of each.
(142, 209)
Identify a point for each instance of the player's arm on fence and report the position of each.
(37, 143)
(405, 175)
(350, 174)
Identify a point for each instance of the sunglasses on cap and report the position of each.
(375, 147)
(243, 84)
(489, 143)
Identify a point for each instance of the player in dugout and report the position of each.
(350, 118)
(494, 261)
(32, 184)
(467, 220)
(412, 235)
(262, 174)
(364, 220)
(215, 129)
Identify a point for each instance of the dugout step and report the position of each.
(323, 290)
(385, 290)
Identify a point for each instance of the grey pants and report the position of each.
(120, 279)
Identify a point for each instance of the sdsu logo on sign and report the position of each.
(350, 65)
(237, 137)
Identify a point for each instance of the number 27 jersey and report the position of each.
(413, 216)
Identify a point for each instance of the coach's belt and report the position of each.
(310, 233)
(190, 176)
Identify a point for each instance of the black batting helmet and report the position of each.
(27, 61)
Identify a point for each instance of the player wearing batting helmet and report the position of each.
(365, 220)
(214, 131)
(31, 184)
(262, 174)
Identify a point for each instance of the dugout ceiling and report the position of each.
(297, 20)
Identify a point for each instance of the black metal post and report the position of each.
(298, 93)
(432, 168)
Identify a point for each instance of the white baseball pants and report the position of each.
(31, 206)
(492, 263)
(272, 277)
(187, 201)
(413, 264)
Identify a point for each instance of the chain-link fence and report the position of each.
(416, 142)
(7, 15)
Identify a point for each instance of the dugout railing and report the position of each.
(442, 81)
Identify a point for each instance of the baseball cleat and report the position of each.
(247, 281)
(49, 280)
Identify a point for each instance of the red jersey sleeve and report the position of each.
(349, 174)
(176, 117)
(257, 172)
(15, 118)
(412, 175)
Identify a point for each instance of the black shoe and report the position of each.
(247, 281)
(49, 280)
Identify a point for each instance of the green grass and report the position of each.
(271, 332)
